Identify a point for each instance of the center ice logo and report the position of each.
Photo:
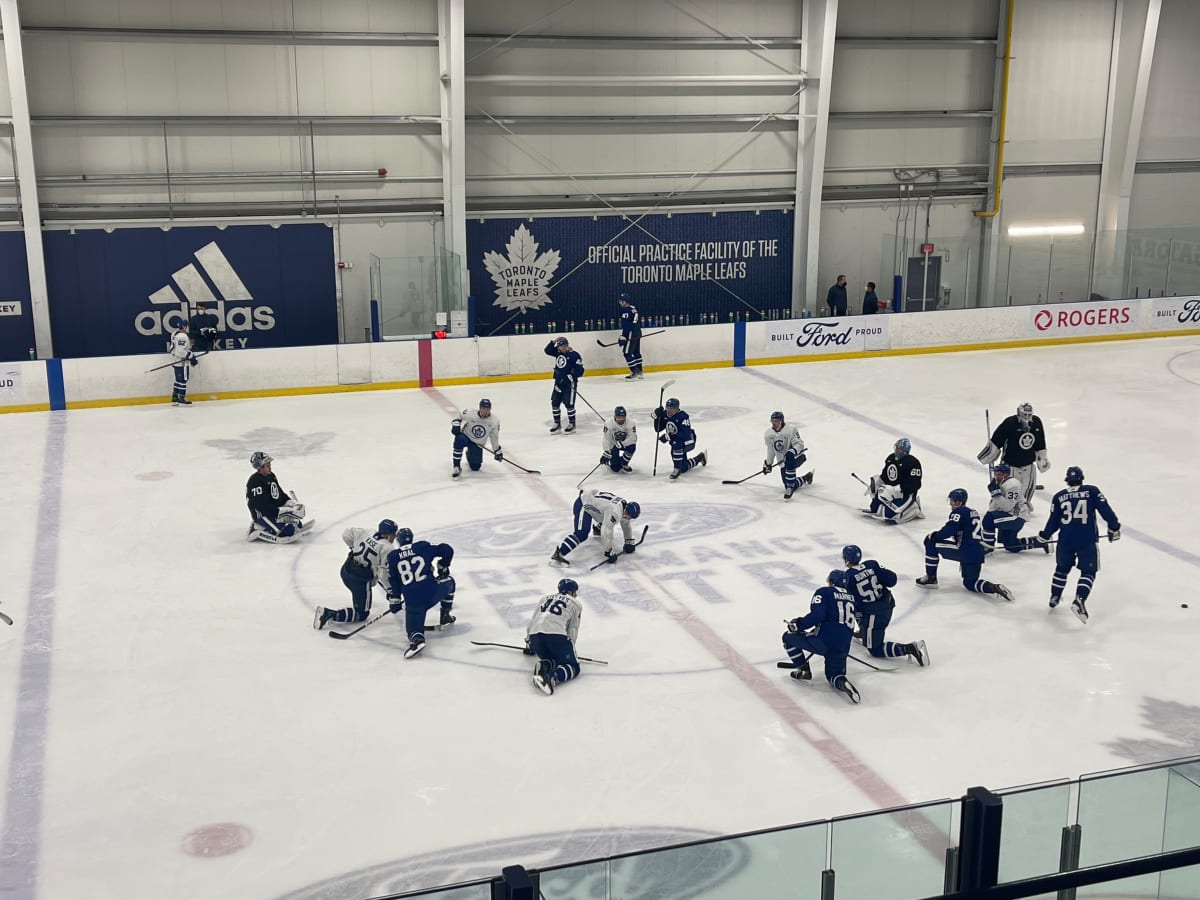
(523, 277)
(537, 534)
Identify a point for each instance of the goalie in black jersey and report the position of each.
(893, 491)
(275, 517)
(1020, 442)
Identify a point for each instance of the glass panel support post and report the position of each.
(979, 839)
(1068, 856)
(828, 877)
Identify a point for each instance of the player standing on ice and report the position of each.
(418, 580)
(785, 445)
(471, 430)
(1020, 441)
(568, 369)
(552, 634)
(180, 347)
(619, 441)
(1007, 513)
(611, 512)
(894, 490)
(1073, 516)
(674, 427)
(960, 540)
(631, 337)
(275, 517)
(365, 565)
(826, 631)
(870, 584)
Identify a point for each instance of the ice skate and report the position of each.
(802, 672)
(807, 477)
(415, 646)
(557, 428)
(570, 427)
(1055, 599)
(321, 617)
(445, 619)
(1079, 607)
(543, 677)
(928, 581)
(787, 494)
(844, 685)
(918, 652)
(456, 471)
(557, 559)
(1005, 592)
(701, 458)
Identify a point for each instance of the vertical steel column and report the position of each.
(31, 214)
(167, 168)
(816, 56)
(989, 236)
(451, 62)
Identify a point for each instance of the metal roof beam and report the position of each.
(237, 36)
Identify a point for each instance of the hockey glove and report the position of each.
(610, 557)
(604, 460)
(792, 626)
(193, 359)
(1040, 542)
(766, 467)
(498, 456)
(1114, 534)
(395, 604)
(663, 439)
(456, 428)
(622, 341)
(931, 538)
(994, 489)
(630, 547)
(527, 651)
(1043, 461)
(443, 571)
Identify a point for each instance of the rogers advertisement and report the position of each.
(1086, 318)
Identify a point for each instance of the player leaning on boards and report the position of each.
(1073, 516)
(631, 337)
(418, 579)
(960, 540)
(674, 426)
(180, 347)
(610, 511)
(619, 441)
(784, 445)
(894, 490)
(870, 585)
(275, 517)
(1020, 441)
(568, 369)
(826, 631)
(365, 566)
(551, 637)
(471, 430)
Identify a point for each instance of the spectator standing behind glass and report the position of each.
(870, 300)
(836, 298)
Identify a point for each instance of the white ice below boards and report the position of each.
(182, 731)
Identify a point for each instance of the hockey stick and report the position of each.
(661, 391)
(521, 467)
(176, 362)
(886, 503)
(599, 662)
(589, 474)
(342, 635)
(644, 336)
(792, 665)
(5, 619)
(987, 422)
(589, 406)
(748, 477)
(610, 560)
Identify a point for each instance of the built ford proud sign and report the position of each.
(827, 337)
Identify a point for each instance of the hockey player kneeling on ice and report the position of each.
(1020, 441)
(674, 427)
(1008, 511)
(893, 491)
(551, 637)
(609, 511)
(275, 517)
(785, 445)
(870, 585)
(418, 579)
(471, 431)
(959, 540)
(826, 631)
(365, 565)
(619, 441)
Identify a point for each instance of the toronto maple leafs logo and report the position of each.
(277, 441)
(523, 277)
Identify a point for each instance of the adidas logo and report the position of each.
(210, 280)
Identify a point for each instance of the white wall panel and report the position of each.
(868, 79)
(5, 104)
(1165, 201)
(861, 143)
(1171, 126)
(1059, 81)
(763, 17)
(919, 18)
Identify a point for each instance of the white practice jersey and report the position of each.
(556, 614)
(180, 346)
(368, 550)
(608, 509)
(478, 429)
(781, 441)
(619, 436)
(1011, 499)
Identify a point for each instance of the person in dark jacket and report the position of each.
(203, 328)
(870, 300)
(836, 298)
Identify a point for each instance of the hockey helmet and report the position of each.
(568, 586)
(903, 447)
(1002, 469)
(1074, 476)
(619, 413)
(1025, 412)
(485, 403)
(623, 296)
(836, 577)
(258, 459)
(852, 554)
(387, 526)
(777, 421)
(957, 495)
(672, 403)
(633, 508)
(404, 537)
(561, 342)
(777, 415)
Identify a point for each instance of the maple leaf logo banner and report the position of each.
(523, 277)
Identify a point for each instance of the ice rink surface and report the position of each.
(180, 730)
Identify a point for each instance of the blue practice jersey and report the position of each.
(1073, 515)
(964, 529)
(631, 324)
(678, 427)
(567, 366)
(868, 584)
(832, 614)
(411, 571)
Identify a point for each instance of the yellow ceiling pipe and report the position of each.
(1008, 28)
